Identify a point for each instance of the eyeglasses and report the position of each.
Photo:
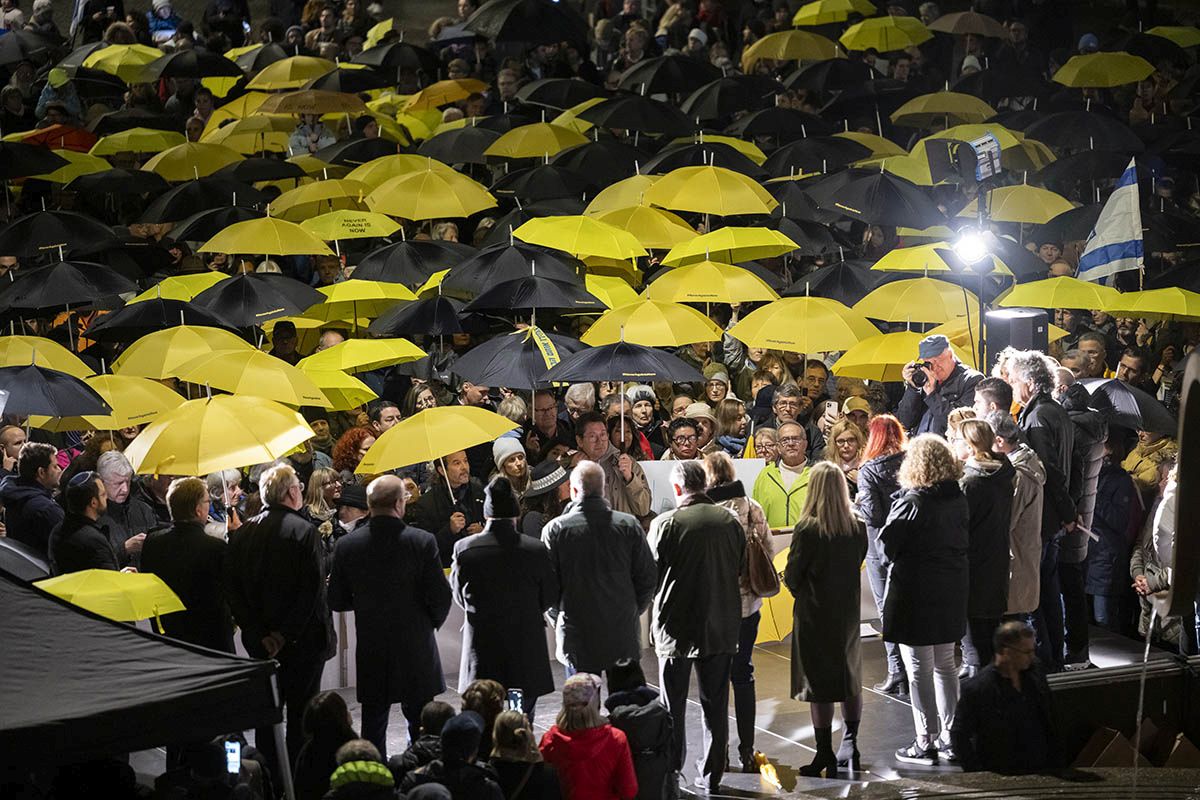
(545, 410)
(846, 442)
(300, 486)
(331, 482)
(789, 440)
(787, 403)
(685, 439)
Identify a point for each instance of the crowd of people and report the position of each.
(999, 517)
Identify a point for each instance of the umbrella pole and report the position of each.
(449, 488)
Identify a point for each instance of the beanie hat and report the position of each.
(158, 4)
(1088, 43)
(505, 448)
(716, 372)
(581, 689)
(699, 36)
(499, 501)
(971, 62)
(639, 392)
(461, 736)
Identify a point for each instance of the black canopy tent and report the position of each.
(78, 686)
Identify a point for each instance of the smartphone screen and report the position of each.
(515, 698)
(233, 758)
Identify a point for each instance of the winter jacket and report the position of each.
(593, 764)
(433, 510)
(1087, 454)
(1025, 532)
(927, 413)
(647, 726)
(754, 522)
(539, 778)
(988, 487)
(878, 480)
(628, 497)
(1116, 522)
(465, 781)
(361, 780)
(782, 506)
(30, 513)
(1143, 463)
(926, 540)
(1144, 561)
(426, 749)
(126, 520)
(1048, 430)
(314, 766)
(990, 731)
(80, 543)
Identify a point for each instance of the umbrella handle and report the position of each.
(158, 622)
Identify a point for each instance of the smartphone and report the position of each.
(233, 758)
(516, 699)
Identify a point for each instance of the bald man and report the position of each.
(390, 575)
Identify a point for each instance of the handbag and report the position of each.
(764, 580)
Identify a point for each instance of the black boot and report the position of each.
(896, 685)
(847, 754)
(744, 712)
(824, 761)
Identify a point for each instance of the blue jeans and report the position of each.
(1111, 612)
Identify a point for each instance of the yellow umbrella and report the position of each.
(180, 287)
(355, 297)
(261, 133)
(1061, 292)
(136, 140)
(914, 167)
(803, 325)
(120, 596)
(159, 355)
(932, 232)
(362, 355)
(350, 225)
(1182, 35)
(942, 108)
(432, 434)
(342, 391)
(315, 167)
(77, 164)
(731, 245)
(375, 172)
(123, 60)
(710, 190)
(191, 160)
(611, 290)
(290, 73)
(430, 194)
(313, 101)
(570, 117)
(134, 401)
(776, 620)
(885, 34)
(749, 149)
(828, 12)
(240, 108)
(267, 236)
(378, 32)
(430, 286)
(312, 323)
(226, 431)
(389, 127)
(21, 351)
(654, 324)
(1021, 203)
(534, 141)
(443, 93)
(917, 300)
(882, 357)
(930, 257)
(653, 227)
(624, 193)
(969, 131)
(255, 373)
(789, 46)
(1172, 303)
(709, 282)
(1103, 70)
(321, 197)
(580, 236)
(878, 145)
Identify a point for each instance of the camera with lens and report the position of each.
(918, 375)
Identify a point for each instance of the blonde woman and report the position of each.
(591, 756)
(518, 764)
(925, 604)
(844, 445)
(954, 437)
(322, 493)
(828, 545)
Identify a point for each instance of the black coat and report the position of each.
(465, 781)
(927, 413)
(926, 540)
(191, 562)
(997, 730)
(389, 574)
(505, 583)
(989, 488)
(647, 726)
(78, 543)
(432, 513)
(542, 783)
(1087, 455)
(274, 582)
(126, 520)
(30, 512)
(878, 480)
(1049, 432)
(1116, 520)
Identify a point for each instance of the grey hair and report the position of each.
(638, 393)
(583, 392)
(1002, 423)
(113, 464)
(689, 476)
(1031, 366)
(588, 479)
(217, 481)
(276, 482)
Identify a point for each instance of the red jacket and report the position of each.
(593, 764)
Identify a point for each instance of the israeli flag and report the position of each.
(1115, 244)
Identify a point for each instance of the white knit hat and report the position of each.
(505, 448)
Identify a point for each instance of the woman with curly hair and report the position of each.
(349, 449)
(925, 606)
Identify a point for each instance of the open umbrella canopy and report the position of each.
(580, 236)
(883, 357)
(731, 245)
(363, 355)
(529, 21)
(430, 194)
(463, 145)
(803, 325)
(149, 315)
(190, 160)
(654, 324)
(828, 12)
(534, 292)
(1130, 407)
(709, 282)
(635, 112)
(847, 282)
(942, 108)
(18, 160)
(430, 316)
(378, 170)
(63, 284)
(885, 34)
(624, 193)
(39, 390)
(320, 197)
(432, 434)
(127, 61)
(731, 94)
(313, 101)
(17, 351)
(122, 596)
(1103, 70)
(53, 231)
(1021, 203)
(622, 361)
(255, 373)
(878, 198)
(505, 262)
(134, 401)
(355, 297)
(203, 225)
(342, 392)
(917, 300)
(708, 153)
(560, 93)
(612, 290)
(669, 74)
(190, 63)
(336, 225)
(253, 298)
(118, 181)
(542, 182)
(195, 196)
(160, 354)
(710, 190)
(1061, 292)
(517, 361)
(964, 22)
(1167, 303)
(537, 140)
(290, 73)
(654, 228)
(267, 236)
(410, 262)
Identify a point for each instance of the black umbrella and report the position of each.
(846, 282)
(534, 292)
(63, 284)
(204, 225)
(784, 124)
(717, 154)
(191, 63)
(1085, 130)
(48, 392)
(671, 74)
(879, 97)
(996, 84)
(517, 360)
(76, 57)
(506, 262)
(25, 45)
(135, 320)
(545, 181)
(796, 203)
(255, 60)
(622, 361)
(831, 75)
(43, 231)
(813, 238)
(878, 198)
(560, 93)
(119, 181)
(1088, 165)
(21, 560)
(463, 145)
(411, 262)
(635, 112)
(1070, 225)
(502, 230)
(431, 316)
(134, 258)
(351, 81)
(732, 94)
(254, 298)
(528, 21)
(356, 152)
(1154, 49)
(129, 118)
(254, 169)
(1167, 231)
(815, 154)
(18, 160)
(1185, 275)
(514, 117)
(198, 195)
(603, 161)
(398, 56)
(1131, 407)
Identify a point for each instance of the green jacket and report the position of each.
(782, 506)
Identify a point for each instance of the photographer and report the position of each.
(935, 383)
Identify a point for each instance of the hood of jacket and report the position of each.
(1080, 406)
(726, 491)
(370, 772)
(939, 491)
(16, 492)
(987, 469)
(1025, 460)
(633, 697)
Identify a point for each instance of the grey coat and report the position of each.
(1025, 532)
(606, 578)
(700, 549)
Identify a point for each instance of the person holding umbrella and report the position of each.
(452, 508)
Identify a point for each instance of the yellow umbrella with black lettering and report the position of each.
(776, 613)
